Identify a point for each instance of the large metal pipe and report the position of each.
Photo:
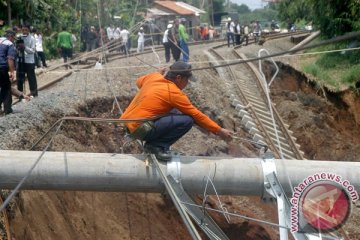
(128, 173)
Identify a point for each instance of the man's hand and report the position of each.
(26, 97)
(11, 75)
(162, 70)
(21, 46)
(225, 134)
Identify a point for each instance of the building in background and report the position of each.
(164, 11)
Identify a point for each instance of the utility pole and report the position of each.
(129, 173)
(211, 12)
(9, 12)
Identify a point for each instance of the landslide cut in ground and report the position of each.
(88, 215)
(326, 128)
(326, 124)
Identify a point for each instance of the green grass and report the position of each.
(338, 70)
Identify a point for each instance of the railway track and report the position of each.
(87, 60)
(248, 96)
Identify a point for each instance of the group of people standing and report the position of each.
(175, 41)
(18, 52)
(120, 36)
(237, 34)
(205, 33)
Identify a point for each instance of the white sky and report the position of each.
(252, 4)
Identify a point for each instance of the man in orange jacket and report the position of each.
(162, 96)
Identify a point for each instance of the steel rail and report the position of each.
(253, 112)
(277, 116)
(182, 211)
(289, 142)
(272, 36)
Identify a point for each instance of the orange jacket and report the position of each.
(158, 96)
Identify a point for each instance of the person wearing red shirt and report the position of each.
(162, 96)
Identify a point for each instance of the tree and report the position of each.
(336, 17)
(241, 9)
(293, 10)
(332, 17)
(263, 15)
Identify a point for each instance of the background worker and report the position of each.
(39, 46)
(162, 96)
(28, 47)
(141, 40)
(7, 67)
(230, 32)
(166, 43)
(64, 45)
(183, 37)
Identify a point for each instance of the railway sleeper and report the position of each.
(285, 148)
(249, 90)
(273, 135)
(268, 124)
(235, 103)
(242, 113)
(283, 141)
(255, 97)
(266, 115)
(246, 118)
(243, 79)
(238, 105)
(257, 106)
(286, 156)
(246, 86)
(246, 81)
(249, 125)
(257, 137)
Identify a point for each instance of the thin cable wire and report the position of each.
(229, 62)
(19, 185)
(218, 198)
(152, 41)
(322, 43)
(174, 43)
(108, 81)
(237, 215)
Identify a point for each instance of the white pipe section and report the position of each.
(128, 173)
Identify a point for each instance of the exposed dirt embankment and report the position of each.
(325, 123)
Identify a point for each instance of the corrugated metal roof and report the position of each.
(173, 6)
(158, 12)
(190, 7)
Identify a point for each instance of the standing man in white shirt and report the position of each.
(110, 32)
(124, 36)
(230, 32)
(28, 47)
(116, 35)
(141, 40)
(39, 46)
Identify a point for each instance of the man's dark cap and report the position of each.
(10, 32)
(181, 68)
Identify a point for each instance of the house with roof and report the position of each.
(163, 12)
